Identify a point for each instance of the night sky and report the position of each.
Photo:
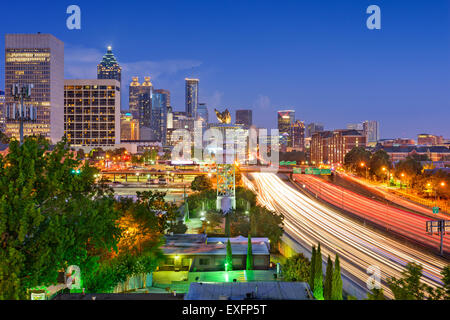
(316, 57)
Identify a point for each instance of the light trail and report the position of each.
(394, 198)
(359, 247)
(405, 223)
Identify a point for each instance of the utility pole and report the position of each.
(19, 93)
(438, 227)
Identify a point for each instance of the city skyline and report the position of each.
(388, 77)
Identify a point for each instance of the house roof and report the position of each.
(275, 290)
(216, 249)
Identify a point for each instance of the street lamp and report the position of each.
(363, 165)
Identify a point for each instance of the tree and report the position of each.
(266, 223)
(379, 160)
(201, 183)
(409, 287)
(227, 225)
(354, 158)
(154, 204)
(178, 228)
(229, 258)
(328, 280)
(318, 275)
(4, 138)
(50, 218)
(214, 219)
(408, 169)
(297, 268)
(80, 154)
(336, 286)
(376, 294)
(313, 268)
(239, 223)
(249, 265)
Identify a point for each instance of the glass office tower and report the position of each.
(36, 59)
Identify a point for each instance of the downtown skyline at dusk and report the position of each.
(317, 58)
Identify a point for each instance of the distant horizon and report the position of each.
(317, 58)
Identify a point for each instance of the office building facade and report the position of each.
(312, 128)
(166, 93)
(244, 117)
(191, 97)
(202, 113)
(140, 103)
(286, 120)
(2, 111)
(371, 131)
(129, 128)
(298, 136)
(36, 59)
(159, 117)
(109, 68)
(92, 112)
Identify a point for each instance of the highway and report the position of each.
(310, 222)
(381, 189)
(405, 223)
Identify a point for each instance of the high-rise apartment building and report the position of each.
(109, 68)
(92, 112)
(36, 59)
(371, 131)
(330, 147)
(244, 117)
(129, 128)
(285, 124)
(191, 97)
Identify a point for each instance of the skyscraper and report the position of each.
(109, 68)
(202, 113)
(244, 117)
(2, 111)
(313, 128)
(285, 125)
(159, 117)
(191, 97)
(298, 135)
(371, 131)
(140, 103)
(36, 59)
(92, 112)
(167, 94)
